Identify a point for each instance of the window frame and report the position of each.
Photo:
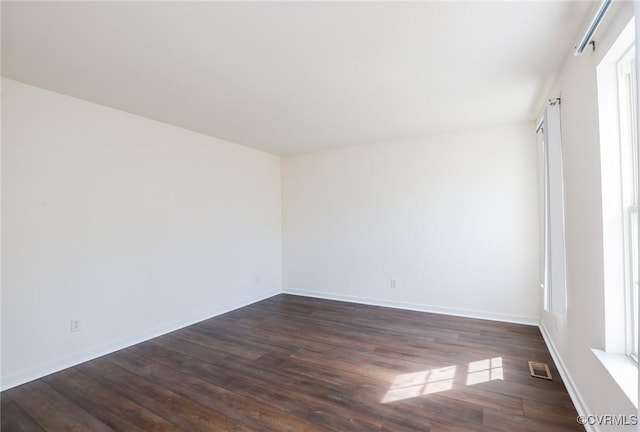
(627, 116)
(554, 286)
(616, 122)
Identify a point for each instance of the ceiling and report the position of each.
(292, 77)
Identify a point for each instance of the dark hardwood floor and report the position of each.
(298, 364)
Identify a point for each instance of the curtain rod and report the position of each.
(593, 26)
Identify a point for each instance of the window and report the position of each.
(629, 190)
(553, 261)
(617, 102)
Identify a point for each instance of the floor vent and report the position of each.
(539, 370)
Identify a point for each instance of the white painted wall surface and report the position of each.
(452, 218)
(131, 226)
(574, 335)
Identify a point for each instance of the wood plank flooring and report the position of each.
(297, 364)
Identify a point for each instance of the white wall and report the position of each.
(574, 335)
(452, 218)
(132, 226)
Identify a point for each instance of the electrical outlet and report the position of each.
(394, 284)
(258, 279)
(75, 326)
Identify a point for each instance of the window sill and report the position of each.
(623, 370)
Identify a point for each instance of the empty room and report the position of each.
(319, 216)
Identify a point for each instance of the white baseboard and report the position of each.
(56, 365)
(533, 321)
(574, 394)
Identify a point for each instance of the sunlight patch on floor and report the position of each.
(416, 384)
(410, 385)
(484, 370)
